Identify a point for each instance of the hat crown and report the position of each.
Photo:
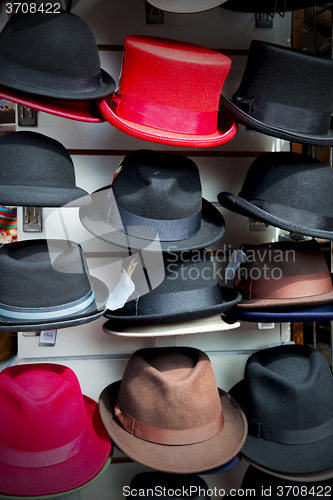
(55, 43)
(170, 388)
(42, 407)
(157, 185)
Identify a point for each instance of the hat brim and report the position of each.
(212, 229)
(304, 478)
(254, 7)
(225, 131)
(284, 315)
(185, 6)
(36, 196)
(283, 458)
(181, 459)
(69, 475)
(241, 117)
(122, 319)
(107, 86)
(84, 111)
(95, 311)
(241, 206)
(211, 324)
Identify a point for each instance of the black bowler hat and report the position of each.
(269, 6)
(278, 94)
(190, 290)
(287, 396)
(169, 486)
(45, 284)
(52, 55)
(155, 203)
(287, 190)
(36, 170)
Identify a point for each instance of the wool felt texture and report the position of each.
(36, 170)
(283, 315)
(187, 486)
(287, 190)
(274, 79)
(169, 93)
(84, 111)
(284, 274)
(214, 323)
(33, 279)
(189, 291)
(35, 57)
(156, 189)
(174, 389)
(287, 390)
(269, 6)
(42, 410)
(185, 6)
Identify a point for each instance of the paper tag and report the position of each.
(237, 258)
(123, 290)
(47, 338)
(266, 326)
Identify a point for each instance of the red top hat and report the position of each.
(52, 439)
(169, 93)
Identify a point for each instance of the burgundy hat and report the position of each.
(168, 414)
(284, 274)
(51, 437)
(156, 103)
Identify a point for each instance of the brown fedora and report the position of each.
(284, 274)
(168, 414)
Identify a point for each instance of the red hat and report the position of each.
(169, 93)
(52, 439)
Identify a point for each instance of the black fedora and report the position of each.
(45, 284)
(52, 55)
(190, 290)
(155, 203)
(287, 190)
(166, 485)
(36, 170)
(287, 396)
(277, 77)
(269, 6)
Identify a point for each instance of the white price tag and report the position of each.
(237, 258)
(122, 291)
(47, 338)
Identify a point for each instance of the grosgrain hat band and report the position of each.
(169, 436)
(284, 116)
(53, 312)
(45, 458)
(45, 81)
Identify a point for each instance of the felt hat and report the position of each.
(168, 414)
(269, 6)
(189, 291)
(168, 486)
(52, 439)
(52, 55)
(156, 202)
(287, 190)
(185, 6)
(45, 284)
(36, 170)
(156, 103)
(318, 477)
(284, 274)
(286, 394)
(278, 94)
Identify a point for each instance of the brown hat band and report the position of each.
(169, 436)
(287, 287)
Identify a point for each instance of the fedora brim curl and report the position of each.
(84, 111)
(316, 476)
(106, 87)
(282, 458)
(181, 459)
(241, 206)
(35, 196)
(225, 131)
(95, 311)
(72, 474)
(241, 117)
(186, 6)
